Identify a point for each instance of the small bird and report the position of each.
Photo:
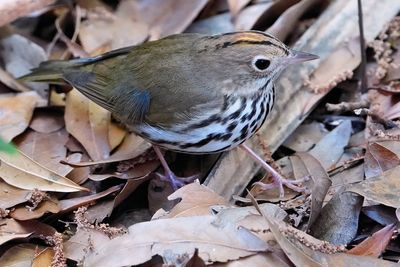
(189, 93)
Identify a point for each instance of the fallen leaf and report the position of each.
(47, 149)
(376, 244)
(170, 16)
(20, 55)
(339, 222)
(23, 213)
(11, 196)
(88, 123)
(22, 172)
(195, 200)
(181, 235)
(246, 19)
(321, 184)
(334, 142)
(43, 258)
(305, 250)
(47, 121)
(15, 113)
(381, 214)
(379, 159)
(305, 136)
(20, 255)
(384, 189)
(221, 23)
(138, 171)
(235, 6)
(116, 134)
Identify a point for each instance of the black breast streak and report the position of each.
(213, 119)
(232, 126)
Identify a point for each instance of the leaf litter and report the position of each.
(77, 171)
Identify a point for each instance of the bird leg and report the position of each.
(176, 182)
(279, 180)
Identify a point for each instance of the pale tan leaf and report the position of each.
(15, 113)
(23, 213)
(22, 172)
(235, 6)
(11, 196)
(88, 123)
(20, 255)
(384, 188)
(47, 121)
(43, 258)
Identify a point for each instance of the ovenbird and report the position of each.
(190, 93)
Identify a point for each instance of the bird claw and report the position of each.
(280, 181)
(176, 181)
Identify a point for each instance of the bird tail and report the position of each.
(51, 71)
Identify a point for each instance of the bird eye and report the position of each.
(261, 64)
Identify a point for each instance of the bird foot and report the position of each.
(280, 181)
(176, 181)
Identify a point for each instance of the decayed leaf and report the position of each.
(379, 159)
(23, 212)
(20, 55)
(140, 170)
(47, 149)
(339, 221)
(235, 6)
(122, 30)
(305, 136)
(88, 123)
(11, 196)
(334, 142)
(15, 113)
(305, 250)
(47, 121)
(181, 235)
(383, 189)
(196, 200)
(376, 244)
(320, 186)
(22, 172)
(170, 16)
(20, 255)
(43, 258)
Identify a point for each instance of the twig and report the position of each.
(347, 106)
(363, 66)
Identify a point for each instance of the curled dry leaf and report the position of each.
(20, 55)
(20, 255)
(235, 6)
(43, 258)
(305, 136)
(196, 200)
(47, 121)
(379, 159)
(21, 171)
(47, 149)
(248, 16)
(11, 196)
(170, 16)
(384, 189)
(305, 250)
(15, 113)
(181, 235)
(88, 123)
(47, 205)
(376, 244)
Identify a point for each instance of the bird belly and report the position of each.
(216, 131)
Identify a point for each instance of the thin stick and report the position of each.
(363, 67)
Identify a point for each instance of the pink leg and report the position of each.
(176, 182)
(279, 180)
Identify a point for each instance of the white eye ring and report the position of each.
(260, 63)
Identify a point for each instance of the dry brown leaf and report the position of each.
(383, 189)
(320, 185)
(116, 134)
(66, 205)
(47, 149)
(20, 55)
(297, 246)
(24, 213)
(248, 16)
(196, 200)
(235, 6)
(215, 242)
(169, 16)
(11, 196)
(47, 121)
(305, 136)
(379, 159)
(22, 172)
(88, 123)
(376, 244)
(20, 255)
(139, 171)
(15, 113)
(43, 258)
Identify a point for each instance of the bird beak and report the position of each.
(299, 57)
